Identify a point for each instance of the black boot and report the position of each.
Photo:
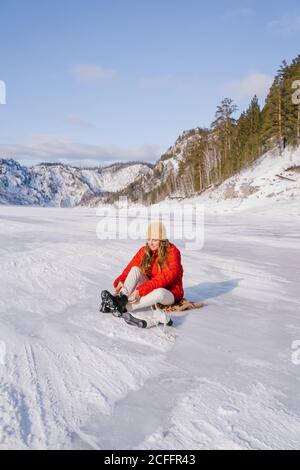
(116, 304)
(104, 308)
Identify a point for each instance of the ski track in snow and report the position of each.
(223, 378)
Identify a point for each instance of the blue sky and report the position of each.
(92, 82)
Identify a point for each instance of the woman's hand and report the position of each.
(119, 287)
(135, 297)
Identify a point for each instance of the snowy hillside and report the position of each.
(114, 178)
(224, 377)
(271, 178)
(164, 171)
(62, 185)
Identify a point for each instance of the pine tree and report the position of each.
(224, 127)
(274, 122)
(253, 114)
(292, 109)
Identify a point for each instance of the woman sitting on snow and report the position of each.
(154, 275)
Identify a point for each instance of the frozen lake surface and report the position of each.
(225, 377)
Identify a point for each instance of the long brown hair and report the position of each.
(162, 252)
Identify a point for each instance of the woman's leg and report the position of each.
(151, 317)
(142, 310)
(160, 295)
(134, 278)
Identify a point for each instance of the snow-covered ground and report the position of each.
(225, 377)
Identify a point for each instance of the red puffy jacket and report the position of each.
(169, 277)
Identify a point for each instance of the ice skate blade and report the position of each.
(134, 321)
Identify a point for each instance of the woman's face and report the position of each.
(153, 244)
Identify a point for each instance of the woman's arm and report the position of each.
(168, 274)
(136, 261)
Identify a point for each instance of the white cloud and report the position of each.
(156, 82)
(253, 84)
(77, 121)
(89, 73)
(43, 147)
(288, 23)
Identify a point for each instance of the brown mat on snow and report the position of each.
(183, 304)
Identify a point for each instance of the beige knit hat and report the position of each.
(157, 231)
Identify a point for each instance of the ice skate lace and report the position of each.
(163, 332)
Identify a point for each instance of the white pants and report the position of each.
(136, 277)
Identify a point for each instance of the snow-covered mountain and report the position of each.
(63, 185)
(274, 176)
(163, 177)
(66, 186)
